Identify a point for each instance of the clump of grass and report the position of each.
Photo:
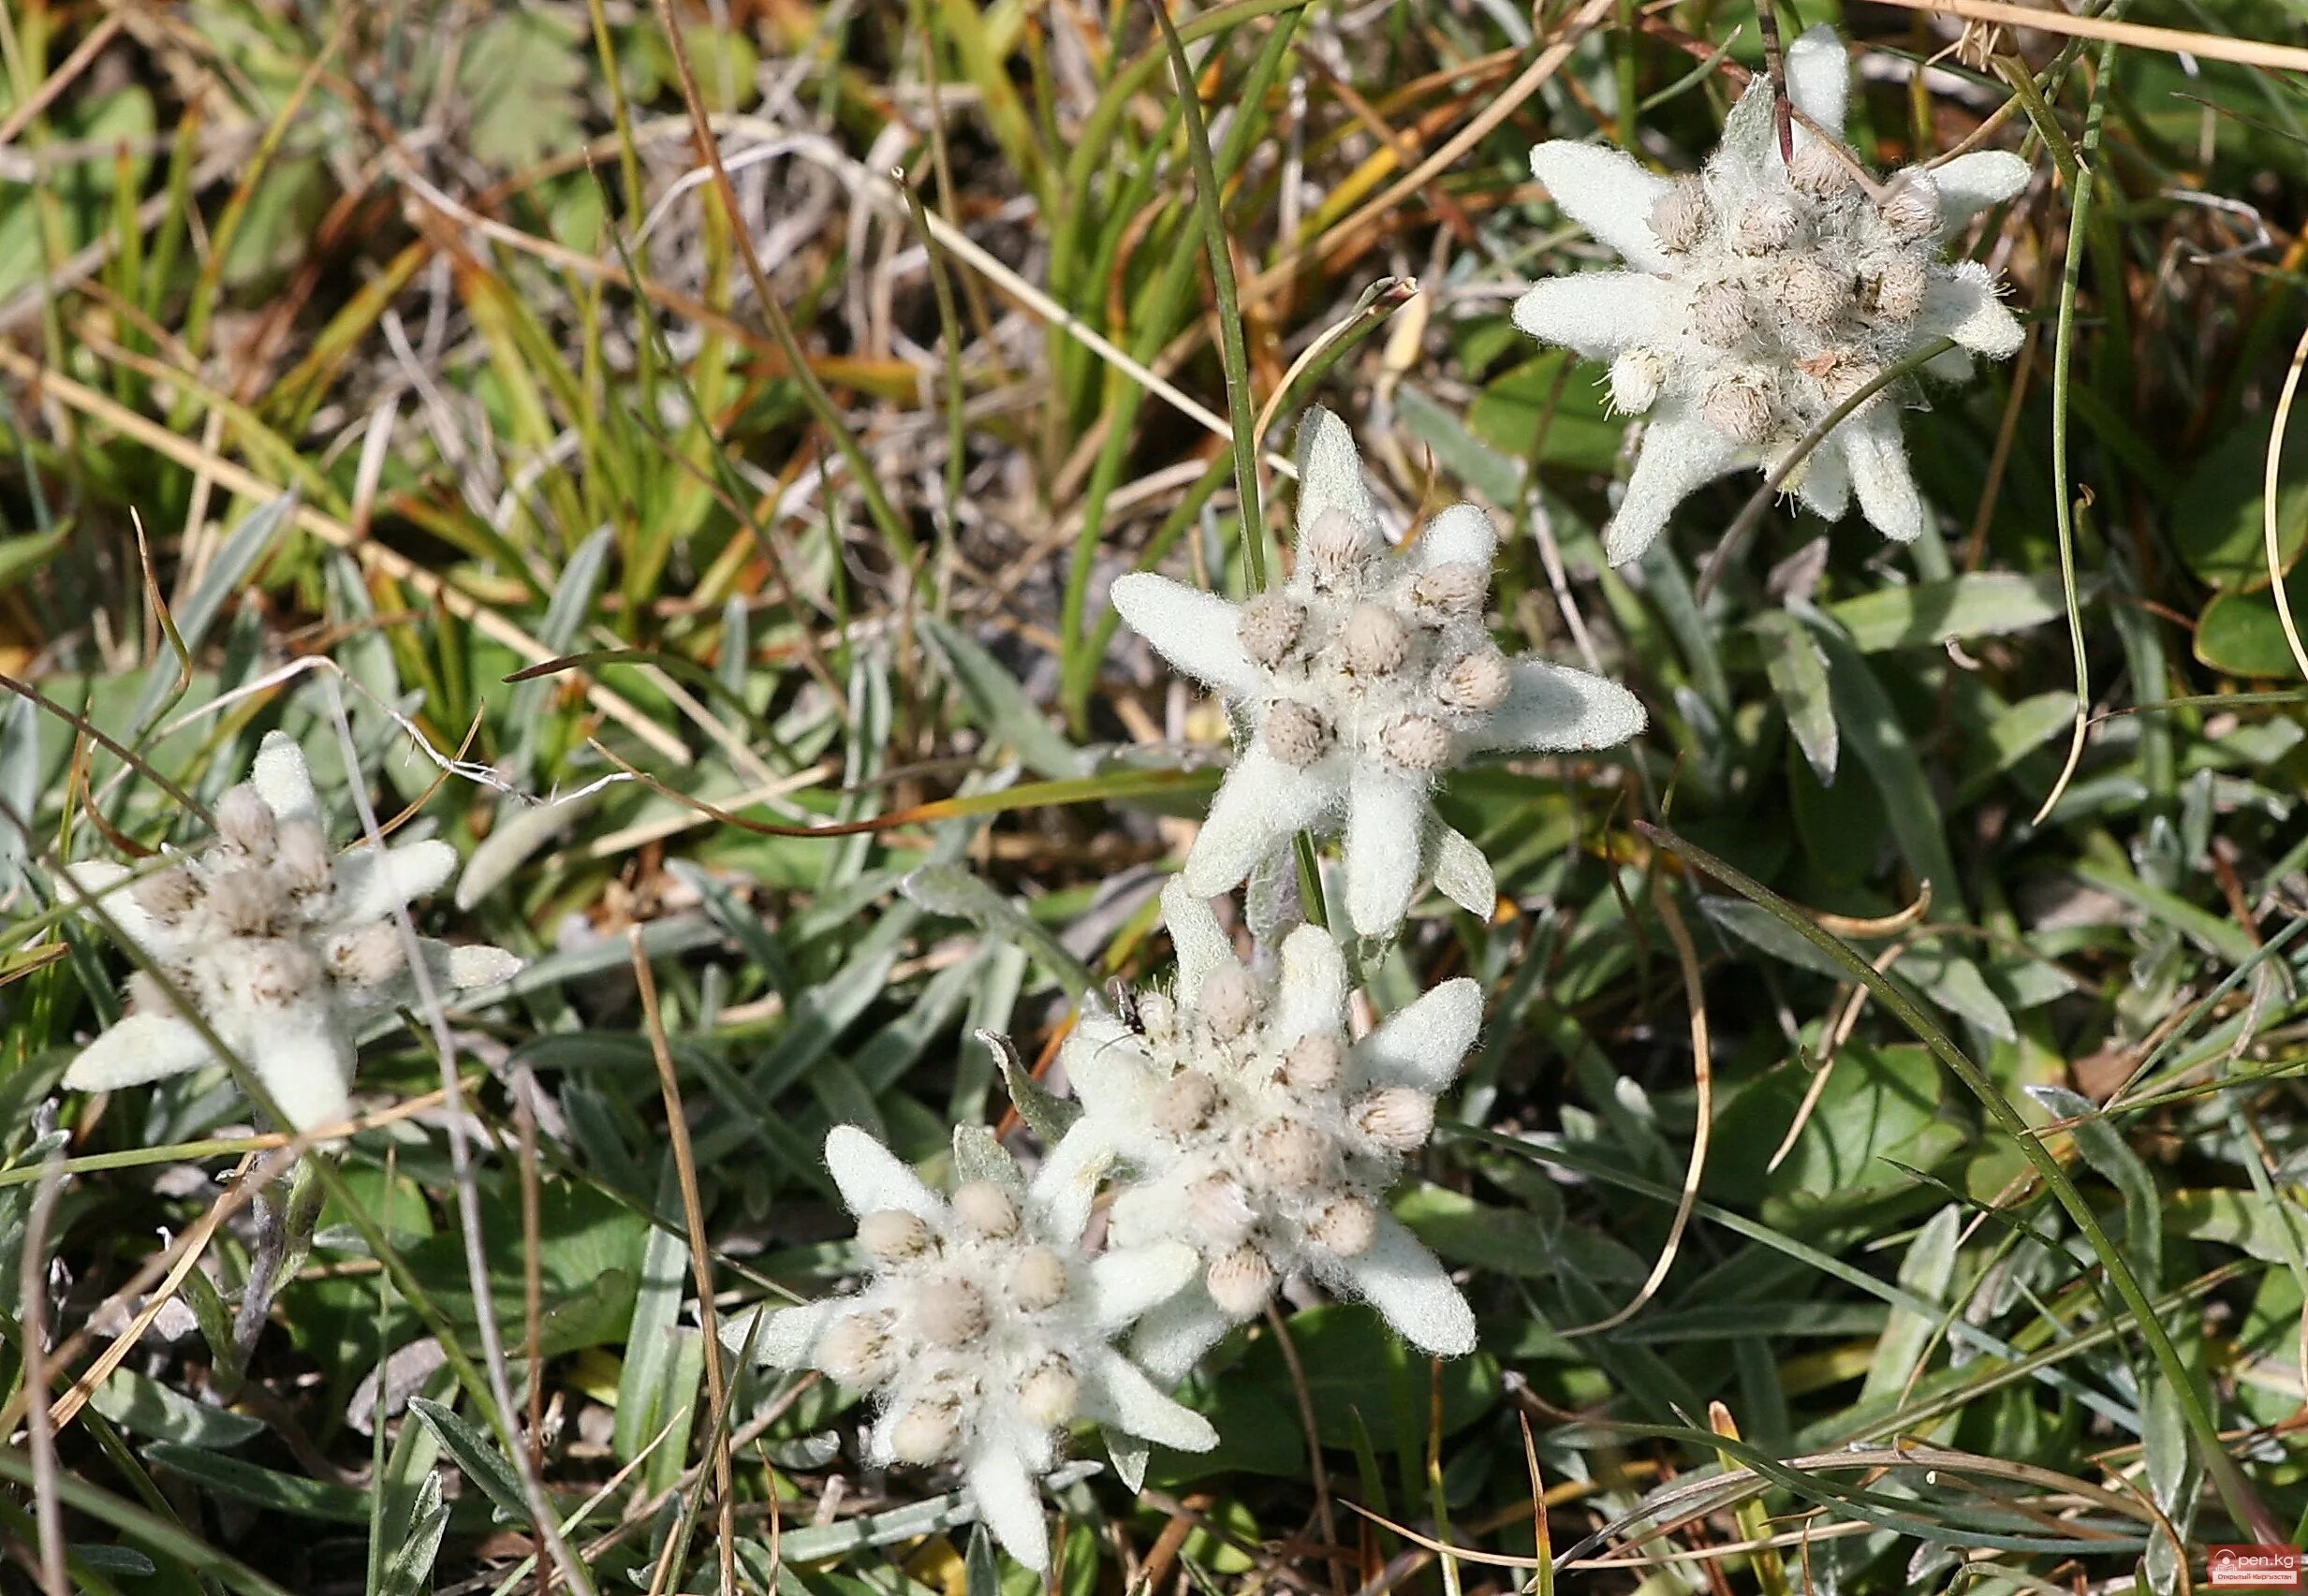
(706, 548)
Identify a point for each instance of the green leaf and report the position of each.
(19, 557)
(2216, 519)
(1797, 668)
(1351, 1361)
(999, 707)
(2105, 1149)
(477, 1454)
(2242, 634)
(1983, 603)
(518, 70)
(291, 1494)
(1927, 1271)
(148, 1408)
(949, 889)
(1460, 455)
(1553, 406)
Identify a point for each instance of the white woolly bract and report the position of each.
(1763, 296)
(1364, 677)
(1296, 1132)
(281, 946)
(981, 1344)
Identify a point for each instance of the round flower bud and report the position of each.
(855, 1350)
(1314, 1062)
(986, 1208)
(1720, 313)
(1229, 1000)
(1636, 378)
(369, 956)
(249, 903)
(1291, 1153)
(1347, 1228)
(168, 897)
(1911, 210)
(1293, 733)
(1766, 226)
(1898, 291)
(1221, 1213)
(246, 821)
(1396, 1118)
(1270, 626)
(1455, 587)
(1476, 681)
(1375, 640)
(1739, 406)
(1818, 173)
(1049, 1394)
(892, 1236)
(1679, 217)
(1336, 545)
(1844, 373)
(302, 858)
(1812, 292)
(1037, 1280)
(950, 1313)
(1415, 742)
(925, 1433)
(278, 974)
(1184, 1104)
(1157, 1017)
(1240, 1281)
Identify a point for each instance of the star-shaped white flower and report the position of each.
(1237, 1114)
(280, 946)
(982, 1332)
(1359, 681)
(1761, 295)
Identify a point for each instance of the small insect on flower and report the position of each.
(278, 948)
(1266, 1141)
(1751, 266)
(981, 1331)
(1359, 684)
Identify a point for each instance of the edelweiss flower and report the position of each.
(1251, 1125)
(982, 1332)
(1360, 680)
(1763, 295)
(279, 946)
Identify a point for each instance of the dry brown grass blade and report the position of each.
(391, 562)
(701, 1252)
(2136, 36)
(1703, 1078)
(40, 1434)
(61, 79)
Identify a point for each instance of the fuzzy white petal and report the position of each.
(283, 779)
(1607, 193)
(1008, 1504)
(465, 967)
(1201, 941)
(1819, 80)
(478, 964)
(785, 1336)
(1171, 1338)
(1260, 802)
(1598, 313)
(1066, 1187)
(1198, 632)
(1680, 454)
(1116, 1393)
(872, 1178)
(1424, 1045)
(1824, 485)
(1312, 993)
(1461, 535)
(1384, 819)
(1555, 707)
(98, 881)
(1399, 1278)
(1879, 474)
(1962, 305)
(1331, 474)
(1971, 183)
(140, 1047)
(371, 884)
(305, 1062)
(1126, 1283)
(1460, 872)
